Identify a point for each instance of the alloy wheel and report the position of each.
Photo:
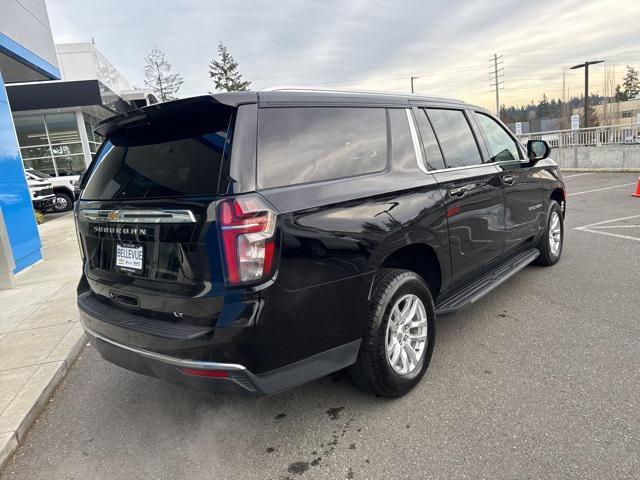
(406, 335)
(555, 234)
(61, 204)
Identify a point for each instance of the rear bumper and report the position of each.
(237, 380)
(229, 377)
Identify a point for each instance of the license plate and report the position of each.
(129, 258)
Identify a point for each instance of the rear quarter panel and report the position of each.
(335, 235)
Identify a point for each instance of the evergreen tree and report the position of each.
(631, 83)
(158, 76)
(544, 109)
(225, 74)
(619, 96)
(594, 121)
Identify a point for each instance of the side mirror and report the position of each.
(538, 150)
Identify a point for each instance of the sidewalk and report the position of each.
(40, 333)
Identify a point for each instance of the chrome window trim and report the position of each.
(416, 142)
(465, 167)
(138, 216)
(507, 162)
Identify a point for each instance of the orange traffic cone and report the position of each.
(637, 192)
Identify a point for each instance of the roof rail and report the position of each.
(329, 90)
(351, 92)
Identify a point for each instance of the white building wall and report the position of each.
(82, 61)
(27, 23)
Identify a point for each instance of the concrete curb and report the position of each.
(600, 170)
(54, 373)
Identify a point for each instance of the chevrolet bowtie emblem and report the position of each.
(113, 216)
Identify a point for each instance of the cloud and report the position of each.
(365, 44)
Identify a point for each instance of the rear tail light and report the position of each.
(77, 225)
(247, 226)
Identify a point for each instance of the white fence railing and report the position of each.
(588, 137)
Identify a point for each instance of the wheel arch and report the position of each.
(558, 195)
(65, 190)
(420, 258)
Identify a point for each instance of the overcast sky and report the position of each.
(366, 43)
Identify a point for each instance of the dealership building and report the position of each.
(27, 54)
(54, 121)
(51, 96)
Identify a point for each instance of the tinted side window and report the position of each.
(403, 154)
(431, 148)
(456, 139)
(500, 144)
(307, 144)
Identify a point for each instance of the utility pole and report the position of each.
(496, 79)
(585, 65)
(412, 79)
(565, 109)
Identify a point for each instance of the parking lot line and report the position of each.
(617, 235)
(577, 175)
(617, 226)
(600, 189)
(598, 228)
(604, 222)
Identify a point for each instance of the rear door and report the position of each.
(145, 217)
(523, 193)
(473, 195)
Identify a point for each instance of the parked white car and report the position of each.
(62, 188)
(41, 193)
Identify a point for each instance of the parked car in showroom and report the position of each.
(41, 193)
(63, 188)
(254, 241)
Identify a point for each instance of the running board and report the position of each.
(486, 283)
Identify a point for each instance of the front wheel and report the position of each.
(550, 245)
(398, 342)
(64, 202)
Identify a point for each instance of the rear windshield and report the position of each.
(173, 156)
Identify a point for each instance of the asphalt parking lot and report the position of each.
(540, 379)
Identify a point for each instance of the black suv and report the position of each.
(254, 241)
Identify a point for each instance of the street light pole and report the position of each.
(412, 79)
(585, 65)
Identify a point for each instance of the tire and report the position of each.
(373, 371)
(551, 251)
(64, 202)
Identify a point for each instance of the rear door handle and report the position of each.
(458, 192)
(508, 179)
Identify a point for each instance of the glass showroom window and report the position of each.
(51, 143)
(95, 140)
(64, 139)
(34, 143)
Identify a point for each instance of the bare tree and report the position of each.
(225, 74)
(158, 76)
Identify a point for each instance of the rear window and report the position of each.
(158, 169)
(310, 144)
